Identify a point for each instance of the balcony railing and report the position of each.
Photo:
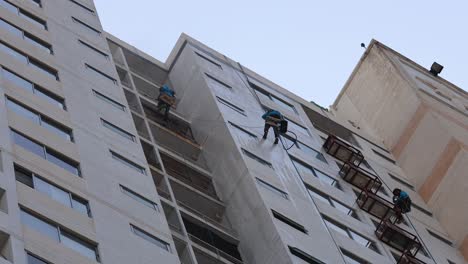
(360, 178)
(210, 220)
(398, 238)
(377, 206)
(218, 252)
(408, 259)
(342, 150)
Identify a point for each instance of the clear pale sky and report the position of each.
(309, 47)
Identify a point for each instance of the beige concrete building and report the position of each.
(423, 120)
(91, 173)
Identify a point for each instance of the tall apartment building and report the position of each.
(423, 120)
(90, 173)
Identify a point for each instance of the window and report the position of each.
(36, 2)
(35, 89)
(304, 169)
(314, 194)
(89, 10)
(304, 256)
(86, 26)
(304, 148)
(128, 163)
(26, 36)
(250, 134)
(32, 259)
(118, 130)
(58, 234)
(39, 119)
(150, 238)
(444, 240)
(33, 19)
(56, 193)
(331, 224)
(22, 13)
(231, 106)
(272, 188)
(46, 153)
(139, 198)
(28, 60)
(256, 158)
(401, 181)
(383, 156)
(38, 43)
(109, 101)
(297, 127)
(352, 259)
(450, 262)
(95, 50)
(421, 209)
(264, 94)
(217, 83)
(209, 60)
(100, 74)
(289, 222)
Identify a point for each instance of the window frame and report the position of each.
(256, 158)
(250, 134)
(231, 106)
(334, 182)
(211, 77)
(46, 151)
(94, 49)
(132, 194)
(156, 241)
(286, 220)
(117, 130)
(208, 59)
(130, 164)
(34, 175)
(100, 73)
(331, 201)
(91, 11)
(109, 101)
(88, 27)
(272, 188)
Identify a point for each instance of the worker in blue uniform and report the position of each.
(402, 203)
(272, 119)
(163, 104)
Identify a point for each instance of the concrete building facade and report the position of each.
(423, 120)
(91, 173)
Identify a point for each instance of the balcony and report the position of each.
(342, 150)
(377, 206)
(360, 178)
(188, 175)
(216, 244)
(175, 134)
(398, 238)
(408, 259)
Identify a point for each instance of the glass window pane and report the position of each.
(31, 18)
(10, 76)
(9, 6)
(312, 152)
(80, 206)
(28, 144)
(337, 228)
(34, 260)
(109, 101)
(318, 196)
(55, 158)
(22, 111)
(139, 198)
(39, 225)
(43, 68)
(360, 239)
(38, 43)
(24, 176)
(128, 163)
(56, 129)
(78, 245)
(301, 168)
(53, 99)
(11, 28)
(325, 178)
(118, 130)
(151, 238)
(13, 53)
(55, 193)
(341, 207)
